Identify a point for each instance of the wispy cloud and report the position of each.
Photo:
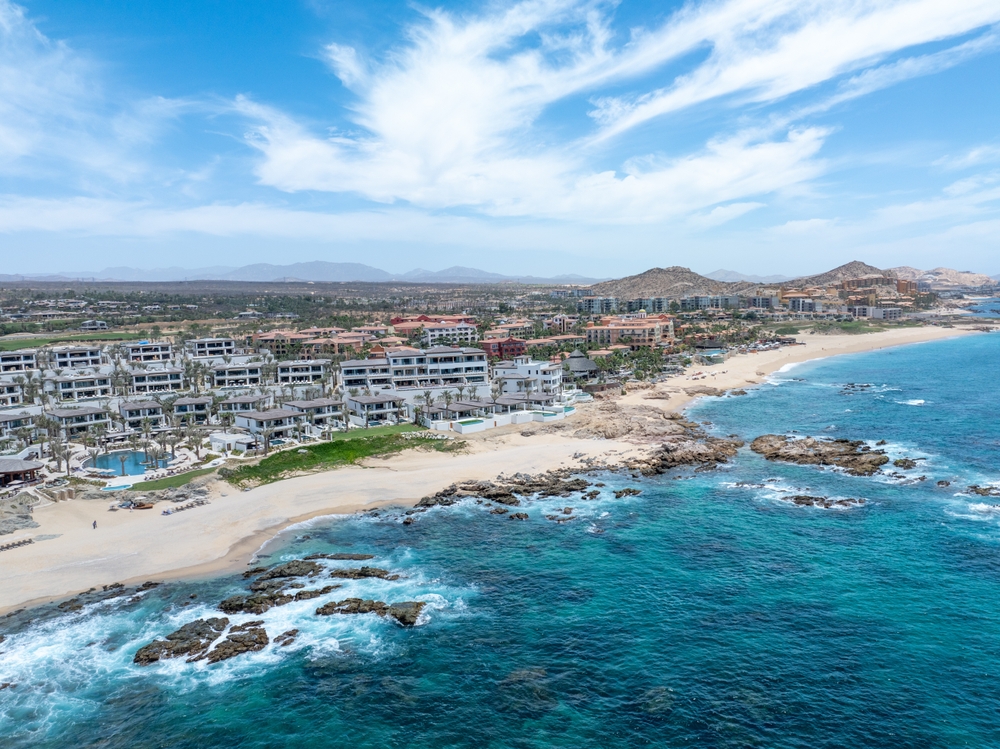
(453, 117)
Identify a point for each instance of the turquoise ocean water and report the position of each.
(707, 611)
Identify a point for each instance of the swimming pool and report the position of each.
(135, 462)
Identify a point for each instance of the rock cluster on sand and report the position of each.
(15, 513)
(853, 456)
(506, 491)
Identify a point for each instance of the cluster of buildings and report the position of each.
(875, 297)
(117, 391)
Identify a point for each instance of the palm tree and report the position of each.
(147, 430)
(122, 457)
(461, 391)
(266, 434)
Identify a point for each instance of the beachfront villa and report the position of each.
(15, 470)
(156, 380)
(237, 375)
(319, 412)
(146, 351)
(18, 361)
(525, 375)
(203, 348)
(196, 409)
(243, 403)
(71, 357)
(76, 421)
(411, 369)
(302, 372)
(10, 393)
(82, 386)
(12, 423)
(134, 413)
(370, 410)
(278, 422)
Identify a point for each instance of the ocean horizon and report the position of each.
(705, 608)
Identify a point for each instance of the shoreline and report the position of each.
(69, 557)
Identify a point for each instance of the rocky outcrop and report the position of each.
(904, 463)
(342, 556)
(699, 451)
(245, 638)
(191, 640)
(286, 638)
(804, 500)
(295, 568)
(404, 612)
(506, 491)
(985, 491)
(362, 573)
(519, 516)
(853, 456)
(15, 513)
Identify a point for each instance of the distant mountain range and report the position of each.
(318, 271)
(732, 276)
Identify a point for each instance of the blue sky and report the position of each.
(542, 137)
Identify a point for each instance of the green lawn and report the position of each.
(170, 482)
(348, 449)
(11, 344)
(376, 432)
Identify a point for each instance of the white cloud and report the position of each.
(804, 226)
(452, 118)
(724, 213)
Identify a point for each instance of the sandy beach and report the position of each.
(69, 556)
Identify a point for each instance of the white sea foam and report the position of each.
(914, 402)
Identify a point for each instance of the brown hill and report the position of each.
(942, 278)
(846, 272)
(673, 282)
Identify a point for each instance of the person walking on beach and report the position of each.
(95, 525)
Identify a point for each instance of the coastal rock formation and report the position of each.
(191, 640)
(286, 638)
(853, 456)
(342, 556)
(503, 491)
(904, 463)
(295, 568)
(404, 612)
(804, 500)
(244, 638)
(985, 491)
(692, 449)
(363, 572)
(519, 516)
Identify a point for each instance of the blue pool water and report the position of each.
(135, 463)
(706, 612)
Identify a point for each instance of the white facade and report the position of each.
(157, 380)
(134, 412)
(417, 369)
(82, 386)
(453, 333)
(74, 421)
(18, 361)
(69, 357)
(237, 375)
(144, 351)
(10, 393)
(280, 421)
(209, 347)
(301, 372)
(523, 375)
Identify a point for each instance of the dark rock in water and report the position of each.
(295, 568)
(627, 493)
(364, 572)
(847, 454)
(499, 511)
(805, 500)
(943, 483)
(341, 556)
(286, 638)
(405, 612)
(985, 491)
(880, 443)
(519, 516)
(305, 595)
(7, 685)
(904, 463)
(2, 638)
(408, 521)
(246, 638)
(593, 494)
(254, 571)
(257, 603)
(193, 639)
(738, 392)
